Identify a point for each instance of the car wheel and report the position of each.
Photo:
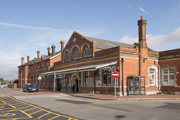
(28, 91)
(37, 90)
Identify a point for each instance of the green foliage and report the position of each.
(3, 82)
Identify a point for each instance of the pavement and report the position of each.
(104, 96)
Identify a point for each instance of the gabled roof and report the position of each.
(105, 44)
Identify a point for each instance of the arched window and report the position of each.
(67, 57)
(76, 54)
(85, 51)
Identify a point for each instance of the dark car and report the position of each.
(30, 88)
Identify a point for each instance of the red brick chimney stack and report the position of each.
(28, 58)
(22, 60)
(49, 51)
(53, 49)
(142, 32)
(62, 45)
(38, 54)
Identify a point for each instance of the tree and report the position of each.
(2, 81)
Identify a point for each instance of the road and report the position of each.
(92, 109)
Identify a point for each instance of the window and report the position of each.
(152, 77)
(34, 68)
(76, 54)
(31, 79)
(23, 72)
(47, 65)
(42, 66)
(85, 77)
(38, 67)
(67, 57)
(106, 75)
(42, 81)
(52, 80)
(168, 77)
(46, 83)
(34, 79)
(85, 52)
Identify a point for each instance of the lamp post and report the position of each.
(122, 60)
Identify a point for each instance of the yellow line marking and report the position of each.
(24, 107)
(43, 115)
(26, 114)
(29, 109)
(43, 109)
(11, 105)
(53, 117)
(8, 115)
(35, 112)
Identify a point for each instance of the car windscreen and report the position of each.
(31, 86)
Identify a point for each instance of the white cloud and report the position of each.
(38, 40)
(8, 71)
(143, 10)
(30, 27)
(158, 42)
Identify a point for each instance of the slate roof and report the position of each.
(36, 60)
(105, 44)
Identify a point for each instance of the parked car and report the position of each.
(30, 88)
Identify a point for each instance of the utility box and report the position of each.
(136, 85)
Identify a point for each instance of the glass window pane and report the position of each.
(165, 71)
(171, 70)
(171, 76)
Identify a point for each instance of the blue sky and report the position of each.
(28, 26)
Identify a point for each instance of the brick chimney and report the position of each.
(22, 60)
(143, 48)
(49, 51)
(38, 54)
(28, 58)
(62, 45)
(142, 32)
(53, 49)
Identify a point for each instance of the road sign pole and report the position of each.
(115, 87)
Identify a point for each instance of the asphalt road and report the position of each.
(91, 109)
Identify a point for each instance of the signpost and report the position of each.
(115, 75)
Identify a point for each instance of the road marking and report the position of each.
(43, 115)
(18, 105)
(35, 112)
(29, 109)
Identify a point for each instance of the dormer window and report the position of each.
(76, 54)
(85, 52)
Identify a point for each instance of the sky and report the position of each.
(30, 25)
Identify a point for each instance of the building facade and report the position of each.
(86, 64)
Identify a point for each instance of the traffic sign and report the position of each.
(115, 74)
(39, 77)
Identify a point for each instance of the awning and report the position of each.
(81, 68)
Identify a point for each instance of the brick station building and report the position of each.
(28, 72)
(86, 65)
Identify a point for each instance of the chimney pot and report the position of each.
(141, 17)
(38, 54)
(53, 49)
(28, 58)
(49, 51)
(22, 60)
(62, 45)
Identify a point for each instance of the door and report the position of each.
(58, 84)
(76, 85)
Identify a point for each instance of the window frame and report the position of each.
(86, 52)
(168, 79)
(76, 54)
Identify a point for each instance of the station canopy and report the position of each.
(81, 68)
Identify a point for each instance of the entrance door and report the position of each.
(76, 85)
(58, 84)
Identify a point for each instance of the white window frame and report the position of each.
(152, 82)
(168, 75)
